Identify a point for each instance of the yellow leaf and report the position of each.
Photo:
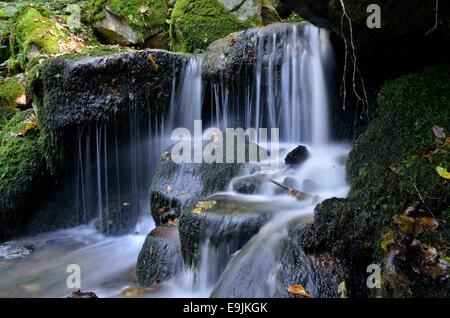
(299, 290)
(197, 210)
(443, 172)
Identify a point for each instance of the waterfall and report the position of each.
(186, 101)
(288, 89)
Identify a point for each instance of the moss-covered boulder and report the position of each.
(196, 23)
(397, 164)
(33, 34)
(134, 22)
(22, 171)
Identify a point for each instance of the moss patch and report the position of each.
(34, 29)
(21, 167)
(197, 23)
(10, 90)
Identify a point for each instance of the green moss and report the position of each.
(387, 170)
(21, 158)
(34, 29)
(10, 90)
(143, 16)
(197, 23)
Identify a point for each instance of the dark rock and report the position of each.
(404, 34)
(80, 294)
(175, 186)
(297, 156)
(160, 257)
(248, 184)
(319, 274)
(98, 87)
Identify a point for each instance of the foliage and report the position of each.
(10, 89)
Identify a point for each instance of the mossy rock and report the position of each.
(135, 21)
(34, 33)
(392, 164)
(196, 23)
(22, 170)
(10, 90)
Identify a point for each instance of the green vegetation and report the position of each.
(10, 90)
(32, 31)
(21, 166)
(393, 164)
(197, 23)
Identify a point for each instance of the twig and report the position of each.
(421, 198)
(435, 18)
(353, 58)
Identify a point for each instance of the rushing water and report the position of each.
(292, 95)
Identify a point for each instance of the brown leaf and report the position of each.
(299, 290)
(429, 222)
(152, 60)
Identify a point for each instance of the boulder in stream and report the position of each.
(160, 257)
(176, 186)
(297, 156)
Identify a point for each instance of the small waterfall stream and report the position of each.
(113, 172)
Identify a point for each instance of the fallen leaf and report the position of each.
(443, 172)
(429, 222)
(197, 210)
(152, 60)
(439, 132)
(299, 290)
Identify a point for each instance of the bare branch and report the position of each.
(434, 28)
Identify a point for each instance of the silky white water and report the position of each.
(293, 96)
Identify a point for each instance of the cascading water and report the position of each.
(287, 89)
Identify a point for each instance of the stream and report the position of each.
(294, 97)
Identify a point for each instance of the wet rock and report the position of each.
(100, 87)
(14, 249)
(160, 257)
(80, 294)
(248, 184)
(297, 156)
(175, 186)
(227, 226)
(321, 274)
